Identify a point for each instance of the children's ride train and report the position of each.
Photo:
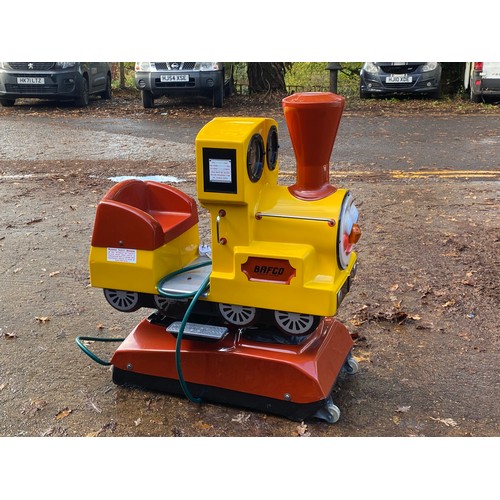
(255, 308)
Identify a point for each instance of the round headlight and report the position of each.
(255, 157)
(272, 148)
(349, 232)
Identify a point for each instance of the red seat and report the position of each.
(143, 215)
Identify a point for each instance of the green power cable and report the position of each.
(179, 339)
(195, 296)
(183, 270)
(79, 342)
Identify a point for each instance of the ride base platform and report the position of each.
(237, 368)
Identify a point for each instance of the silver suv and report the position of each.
(54, 80)
(213, 80)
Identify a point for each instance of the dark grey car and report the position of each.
(54, 80)
(398, 78)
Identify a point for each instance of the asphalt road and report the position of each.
(407, 143)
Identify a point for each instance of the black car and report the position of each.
(74, 81)
(400, 78)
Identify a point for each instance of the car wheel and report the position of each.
(83, 99)
(474, 97)
(219, 96)
(107, 92)
(437, 94)
(7, 102)
(147, 99)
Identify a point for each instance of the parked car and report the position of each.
(213, 80)
(393, 78)
(54, 80)
(482, 80)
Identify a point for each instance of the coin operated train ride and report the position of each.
(249, 320)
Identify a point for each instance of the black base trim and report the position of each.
(294, 411)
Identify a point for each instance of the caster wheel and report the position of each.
(329, 412)
(351, 366)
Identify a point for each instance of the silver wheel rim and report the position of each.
(294, 323)
(238, 315)
(122, 300)
(162, 303)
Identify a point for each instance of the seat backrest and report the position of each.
(131, 192)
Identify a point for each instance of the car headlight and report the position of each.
(65, 65)
(369, 67)
(143, 66)
(207, 66)
(429, 66)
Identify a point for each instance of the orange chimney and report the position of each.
(313, 120)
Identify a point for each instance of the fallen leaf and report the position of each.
(9, 335)
(138, 421)
(42, 319)
(63, 413)
(396, 419)
(241, 417)
(55, 273)
(403, 409)
(448, 304)
(426, 325)
(302, 430)
(394, 287)
(202, 425)
(446, 421)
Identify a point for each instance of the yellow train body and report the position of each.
(264, 229)
(273, 247)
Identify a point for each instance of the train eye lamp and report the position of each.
(272, 148)
(255, 157)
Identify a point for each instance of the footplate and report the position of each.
(198, 331)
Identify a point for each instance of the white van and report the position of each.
(482, 80)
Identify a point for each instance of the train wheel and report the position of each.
(238, 315)
(123, 301)
(162, 303)
(296, 323)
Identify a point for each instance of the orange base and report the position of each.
(291, 380)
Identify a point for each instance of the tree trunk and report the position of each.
(266, 77)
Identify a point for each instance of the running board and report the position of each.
(196, 331)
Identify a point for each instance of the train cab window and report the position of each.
(272, 148)
(255, 157)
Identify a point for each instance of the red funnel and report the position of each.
(313, 119)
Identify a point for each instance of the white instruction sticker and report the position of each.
(220, 170)
(128, 255)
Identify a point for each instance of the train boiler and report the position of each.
(249, 319)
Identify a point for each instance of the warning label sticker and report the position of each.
(128, 255)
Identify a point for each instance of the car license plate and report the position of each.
(174, 78)
(398, 79)
(30, 80)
